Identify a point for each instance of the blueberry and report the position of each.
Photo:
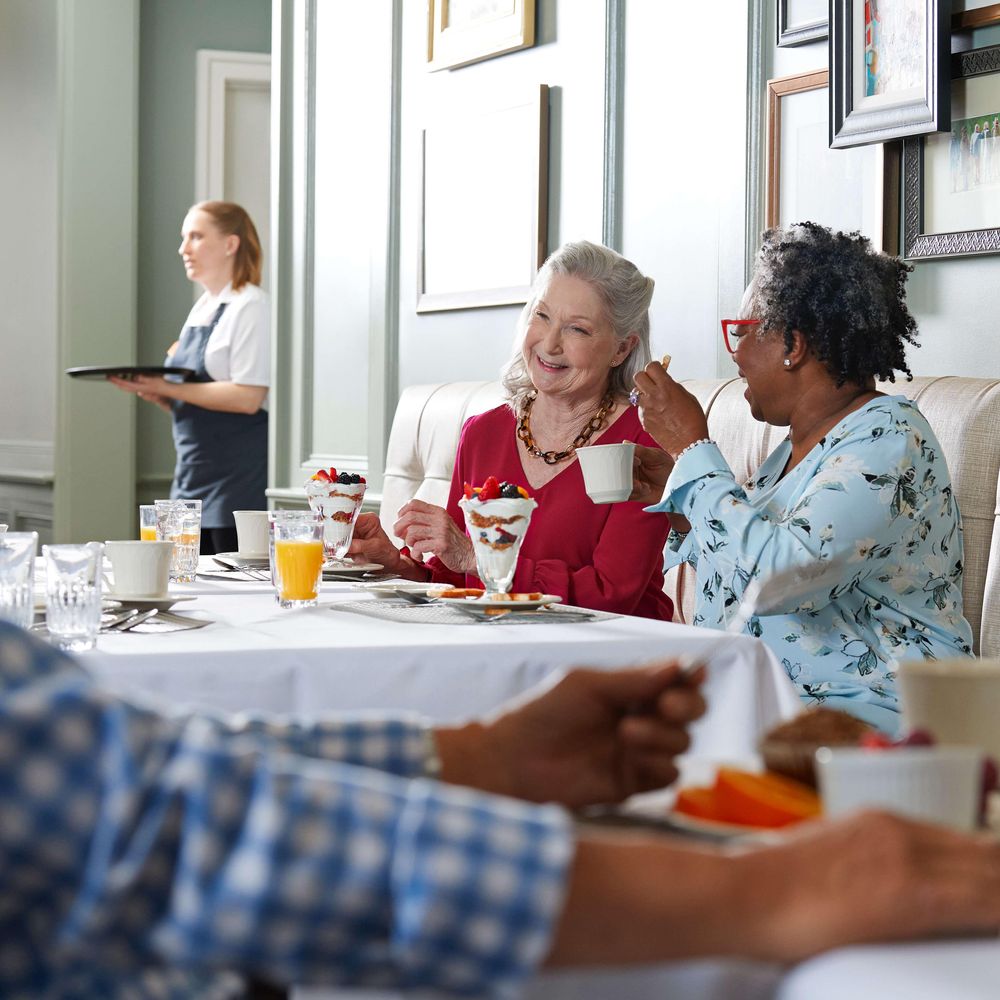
(344, 479)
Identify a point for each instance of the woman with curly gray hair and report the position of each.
(582, 337)
(857, 499)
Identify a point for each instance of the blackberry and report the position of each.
(355, 477)
(509, 491)
(344, 479)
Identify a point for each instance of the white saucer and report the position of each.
(164, 603)
(492, 603)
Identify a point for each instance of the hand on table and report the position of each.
(428, 529)
(670, 414)
(595, 736)
(371, 544)
(868, 877)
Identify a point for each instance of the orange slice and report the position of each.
(700, 802)
(768, 800)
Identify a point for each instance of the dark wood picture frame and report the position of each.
(980, 17)
(918, 244)
(854, 124)
(798, 34)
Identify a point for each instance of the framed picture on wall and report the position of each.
(801, 21)
(460, 32)
(889, 74)
(951, 182)
(483, 228)
(968, 14)
(846, 189)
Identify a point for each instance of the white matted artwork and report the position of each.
(807, 180)
(962, 168)
(483, 227)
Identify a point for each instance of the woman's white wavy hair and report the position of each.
(625, 293)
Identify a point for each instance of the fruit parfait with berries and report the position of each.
(337, 496)
(497, 517)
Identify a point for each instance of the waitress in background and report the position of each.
(220, 415)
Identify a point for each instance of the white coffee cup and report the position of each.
(937, 784)
(141, 569)
(607, 471)
(956, 701)
(251, 533)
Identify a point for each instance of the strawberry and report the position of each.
(876, 741)
(333, 473)
(322, 475)
(361, 479)
(490, 490)
(467, 489)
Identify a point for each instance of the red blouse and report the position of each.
(608, 557)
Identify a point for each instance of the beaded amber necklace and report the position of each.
(595, 423)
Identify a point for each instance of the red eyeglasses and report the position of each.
(733, 329)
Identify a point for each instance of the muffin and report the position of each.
(790, 748)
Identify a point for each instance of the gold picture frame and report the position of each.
(460, 32)
(484, 211)
(826, 181)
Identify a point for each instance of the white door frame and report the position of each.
(217, 72)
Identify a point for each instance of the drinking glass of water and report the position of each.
(73, 594)
(17, 575)
(179, 521)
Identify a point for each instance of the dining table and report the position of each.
(357, 652)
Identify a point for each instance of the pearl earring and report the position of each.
(787, 363)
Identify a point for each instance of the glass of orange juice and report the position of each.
(296, 556)
(147, 522)
(179, 521)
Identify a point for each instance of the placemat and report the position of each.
(441, 614)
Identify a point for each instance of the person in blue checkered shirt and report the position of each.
(145, 854)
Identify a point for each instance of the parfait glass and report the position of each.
(338, 504)
(497, 529)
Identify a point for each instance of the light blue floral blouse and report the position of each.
(875, 494)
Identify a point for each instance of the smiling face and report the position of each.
(207, 252)
(570, 345)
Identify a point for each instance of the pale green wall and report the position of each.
(171, 32)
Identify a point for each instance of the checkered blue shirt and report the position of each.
(143, 854)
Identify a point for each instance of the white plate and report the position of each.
(484, 603)
(148, 603)
(390, 589)
(720, 831)
(236, 561)
(341, 570)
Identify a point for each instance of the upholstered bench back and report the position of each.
(964, 412)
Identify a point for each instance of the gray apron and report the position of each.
(221, 457)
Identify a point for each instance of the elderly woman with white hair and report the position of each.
(583, 335)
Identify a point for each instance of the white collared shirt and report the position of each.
(239, 349)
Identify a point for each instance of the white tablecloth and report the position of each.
(259, 657)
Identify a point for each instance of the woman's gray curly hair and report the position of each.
(625, 293)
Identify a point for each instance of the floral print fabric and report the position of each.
(875, 498)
